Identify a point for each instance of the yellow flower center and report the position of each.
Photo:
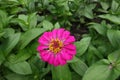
(55, 45)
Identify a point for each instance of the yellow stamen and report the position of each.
(55, 45)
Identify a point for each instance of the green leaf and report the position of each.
(46, 2)
(20, 68)
(4, 19)
(11, 42)
(31, 5)
(22, 21)
(8, 32)
(23, 17)
(45, 71)
(47, 25)
(73, 60)
(1, 34)
(94, 51)
(100, 71)
(23, 2)
(2, 57)
(82, 45)
(112, 18)
(114, 57)
(115, 5)
(105, 5)
(117, 69)
(14, 76)
(21, 56)
(75, 76)
(115, 62)
(32, 48)
(88, 11)
(29, 35)
(57, 25)
(79, 66)
(61, 73)
(114, 37)
(100, 28)
(32, 20)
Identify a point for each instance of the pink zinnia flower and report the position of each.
(56, 47)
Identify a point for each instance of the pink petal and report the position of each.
(61, 60)
(45, 56)
(71, 52)
(66, 56)
(70, 46)
(51, 60)
(56, 62)
(41, 47)
(46, 36)
(43, 41)
(54, 33)
(43, 53)
(69, 40)
(50, 35)
(60, 32)
(65, 34)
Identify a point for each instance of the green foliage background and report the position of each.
(98, 48)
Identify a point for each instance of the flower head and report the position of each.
(56, 47)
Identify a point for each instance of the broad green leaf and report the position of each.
(23, 17)
(1, 25)
(4, 19)
(93, 55)
(94, 51)
(112, 18)
(22, 21)
(24, 25)
(29, 35)
(100, 71)
(11, 42)
(73, 60)
(75, 76)
(21, 56)
(13, 0)
(46, 2)
(14, 76)
(2, 57)
(101, 29)
(39, 67)
(114, 57)
(88, 11)
(8, 32)
(32, 48)
(61, 73)
(115, 5)
(117, 69)
(45, 71)
(32, 20)
(79, 66)
(82, 45)
(23, 68)
(1, 34)
(57, 25)
(23, 2)
(114, 37)
(105, 5)
(47, 25)
(31, 5)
